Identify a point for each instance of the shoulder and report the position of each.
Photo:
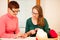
(3, 17)
(45, 19)
(29, 19)
(46, 22)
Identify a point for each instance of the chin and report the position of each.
(14, 15)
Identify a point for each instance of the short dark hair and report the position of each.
(13, 4)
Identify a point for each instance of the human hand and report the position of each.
(32, 31)
(19, 35)
(36, 29)
(24, 35)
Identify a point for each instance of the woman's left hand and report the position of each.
(24, 35)
(21, 35)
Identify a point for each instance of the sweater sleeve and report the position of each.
(3, 34)
(27, 26)
(17, 28)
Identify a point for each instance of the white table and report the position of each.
(28, 38)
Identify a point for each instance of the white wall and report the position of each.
(52, 13)
(3, 7)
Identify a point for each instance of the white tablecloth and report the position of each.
(28, 38)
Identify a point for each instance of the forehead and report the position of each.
(35, 11)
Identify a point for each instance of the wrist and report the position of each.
(28, 33)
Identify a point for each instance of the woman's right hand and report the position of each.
(32, 32)
(36, 29)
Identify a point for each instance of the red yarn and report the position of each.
(53, 34)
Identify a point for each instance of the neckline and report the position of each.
(10, 16)
(32, 22)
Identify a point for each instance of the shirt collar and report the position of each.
(9, 15)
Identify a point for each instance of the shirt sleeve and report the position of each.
(27, 26)
(17, 28)
(3, 34)
(46, 27)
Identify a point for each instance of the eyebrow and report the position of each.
(33, 12)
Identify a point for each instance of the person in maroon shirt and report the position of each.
(9, 22)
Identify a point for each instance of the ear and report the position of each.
(8, 10)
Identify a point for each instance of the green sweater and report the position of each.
(31, 26)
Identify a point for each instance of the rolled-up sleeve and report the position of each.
(17, 28)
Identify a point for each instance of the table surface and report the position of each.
(28, 38)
